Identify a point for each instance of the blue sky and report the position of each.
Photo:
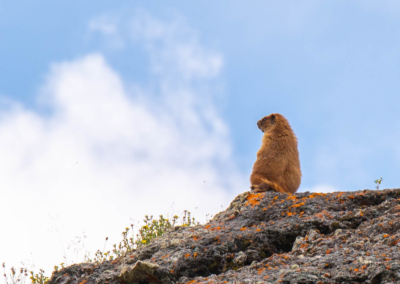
(94, 82)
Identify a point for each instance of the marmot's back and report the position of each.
(278, 165)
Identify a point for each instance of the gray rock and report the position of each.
(240, 259)
(341, 237)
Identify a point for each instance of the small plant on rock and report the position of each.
(151, 229)
(154, 228)
(378, 182)
(14, 275)
(39, 278)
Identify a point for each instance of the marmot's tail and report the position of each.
(267, 185)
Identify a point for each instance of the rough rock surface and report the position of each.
(341, 237)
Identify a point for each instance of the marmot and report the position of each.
(278, 165)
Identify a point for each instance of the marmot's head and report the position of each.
(268, 122)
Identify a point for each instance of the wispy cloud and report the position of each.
(107, 152)
(172, 58)
(105, 24)
(320, 188)
(108, 26)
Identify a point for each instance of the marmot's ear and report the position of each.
(273, 119)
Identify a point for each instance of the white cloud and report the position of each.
(320, 188)
(171, 57)
(107, 153)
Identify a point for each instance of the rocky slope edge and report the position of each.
(341, 237)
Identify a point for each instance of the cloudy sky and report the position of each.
(113, 110)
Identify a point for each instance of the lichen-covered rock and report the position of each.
(144, 272)
(342, 237)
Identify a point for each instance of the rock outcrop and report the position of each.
(341, 237)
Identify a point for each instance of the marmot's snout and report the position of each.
(259, 125)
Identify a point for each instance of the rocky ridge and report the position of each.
(340, 237)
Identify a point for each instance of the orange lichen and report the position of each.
(317, 194)
(165, 256)
(187, 255)
(291, 197)
(195, 254)
(195, 238)
(243, 229)
(324, 213)
(208, 226)
(385, 235)
(260, 270)
(328, 251)
(216, 229)
(83, 282)
(296, 205)
(254, 199)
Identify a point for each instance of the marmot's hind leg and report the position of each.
(267, 185)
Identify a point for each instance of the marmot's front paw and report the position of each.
(261, 187)
(258, 190)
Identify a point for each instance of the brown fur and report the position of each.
(278, 165)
